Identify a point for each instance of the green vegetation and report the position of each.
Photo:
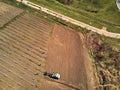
(115, 43)
(106, 54)
(65, 1)
(95, 12)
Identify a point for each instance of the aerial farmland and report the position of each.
(31, 45)
(24, 48)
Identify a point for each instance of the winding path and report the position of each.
(73, 21)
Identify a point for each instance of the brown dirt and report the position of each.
(23, 50)
(7, 12)
(66, 56)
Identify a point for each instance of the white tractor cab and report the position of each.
(52, 75)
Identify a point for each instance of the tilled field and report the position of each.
(7, 12)
(25, 55)
(67, 56)
(23, 50)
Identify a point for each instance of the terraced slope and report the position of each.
(23, 49)
(7, 12)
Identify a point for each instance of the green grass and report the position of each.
(115, 43)
(66, 12)
(107, 16)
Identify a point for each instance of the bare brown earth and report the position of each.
(23, 50)
(7, 12)
(66, 56)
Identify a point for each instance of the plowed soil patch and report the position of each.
(23, 50)
(7, 12)
(66, 56)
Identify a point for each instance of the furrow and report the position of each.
(12, 49)
(4, 85)
(37, 48)
(15, 76)
(28, 50)
(37, 20)
(30, 35)
(30, 64)
(36, 24)
(22, 39)
(20, 71)
(40, 29)
(10, 84)
(13, 41)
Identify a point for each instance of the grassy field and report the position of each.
(99, 15)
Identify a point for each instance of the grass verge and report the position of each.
(81, 15)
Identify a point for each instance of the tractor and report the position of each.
(52, 75)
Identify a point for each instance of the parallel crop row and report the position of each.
(7, 12)
(23, 50)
